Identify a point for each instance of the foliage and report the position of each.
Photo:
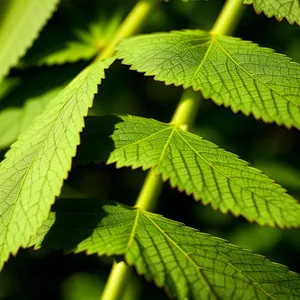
(43, 130)
(190, 264)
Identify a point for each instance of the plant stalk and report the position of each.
(120, 273)
(186, 111)
(115, 285)
(228, 18)
(184, 117)
(129, 26)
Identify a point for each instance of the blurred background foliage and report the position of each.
(76, 33)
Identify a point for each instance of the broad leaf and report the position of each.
(15, 120)
(192, 164)
(289, 9)
(188, 263)
(21, 22)
(37, 163)
(232, 72)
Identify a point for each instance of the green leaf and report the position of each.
(289, 9)
(21, 22)
(15, 120)
(188, 263)
(232, 72)
(192, 164)
(84, 44)
(32, 174)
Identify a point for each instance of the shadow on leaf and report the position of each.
(96, 144)
(71, 222)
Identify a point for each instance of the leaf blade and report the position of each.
(289, 9)
(33, 171)
(193, 165)
(188, 263)
(22, 21)
(230, 71)
(17, 119)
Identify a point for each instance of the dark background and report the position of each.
(45, 274)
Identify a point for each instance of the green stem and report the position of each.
(115, 284)
(186, 110)
(183, 117)
(129, 26)
(120, 272)
(228, 18)
(150, 192)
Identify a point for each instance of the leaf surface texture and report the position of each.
(32, 174)
(21, 22)
(188, 263)
(232, 72)
(289, 9)
(15, 120)
(191, 164)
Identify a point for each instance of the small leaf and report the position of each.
(289, 9)
(192, 164)
(32, 174)
(21, 22)
(84, 44)
(188, 263)
(232, 72)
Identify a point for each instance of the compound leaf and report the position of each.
(21, 21)
(289, 9)
(188, 263)
(232, 72)
(33, 171)
(193, 165)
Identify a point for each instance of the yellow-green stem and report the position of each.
(120, 272)
(228, 18)
(129, 26)
(183, 117)
(150, 192)
(186, 110)
(115, 285)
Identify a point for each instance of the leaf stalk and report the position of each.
(228, 18)
(129, 26)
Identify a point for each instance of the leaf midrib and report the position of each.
(220, 172)
(185, 254)
(252, 76)
(133, 231)
(198, 268)
(34, 159)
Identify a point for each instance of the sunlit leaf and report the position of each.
(15, 120)
(32, 174)
(193, 165)
(232, 72)
(289, 9)
(21, 22)
(187, 263)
